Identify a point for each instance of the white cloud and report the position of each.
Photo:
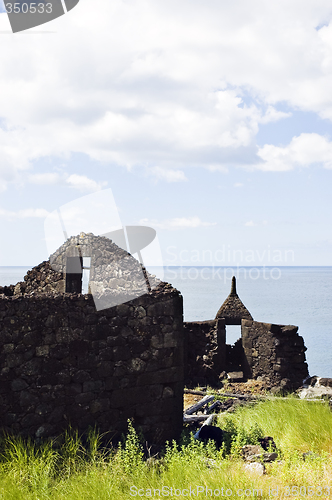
(168, 175)
(302, 151)
(238, 184)
(79, 182)
(24, 214)
(177, 223)
(273, 115)
(217, 168)
(251, 223)
(45, 179)
(158, 83)
(83, 183)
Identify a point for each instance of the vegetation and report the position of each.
(69, 470)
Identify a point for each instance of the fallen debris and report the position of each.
(196, 393)
(235, 376)
(190, 419)
(197, 406)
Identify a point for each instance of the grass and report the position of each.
(293, 423)
(69, 470)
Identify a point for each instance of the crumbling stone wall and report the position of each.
(115, 275)
(62, 362)
(41, 279)
(276, 353)
(205, 351)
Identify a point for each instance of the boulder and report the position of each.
(256, 453)
(255, 468)
(208, 432)
(267, 443)
(315, 392)
(235, 376)
(262, 457)
(325, 382)
(250, 450)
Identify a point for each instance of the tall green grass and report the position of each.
(69, 469)
(294, 424)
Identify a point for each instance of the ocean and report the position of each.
(299, 296)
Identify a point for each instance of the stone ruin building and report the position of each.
(65, 359)
(89, 338)
(265, 351)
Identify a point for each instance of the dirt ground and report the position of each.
(253, 387)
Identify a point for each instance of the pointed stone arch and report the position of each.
(233, 310)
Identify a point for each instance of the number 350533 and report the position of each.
(31, 8)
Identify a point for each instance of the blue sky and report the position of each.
(209, 121)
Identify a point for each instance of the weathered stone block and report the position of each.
(170, 339)
(14, 359)
(42, 350)
(137, 365)
(18, 385)
(31, 420)
(84, 397)
(73, 389)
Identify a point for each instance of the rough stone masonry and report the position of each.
(64, 363)
(122, 351)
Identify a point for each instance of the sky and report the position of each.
(207, 120)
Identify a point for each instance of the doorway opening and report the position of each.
(233, 333)
(234, 349)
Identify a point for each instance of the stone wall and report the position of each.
(115, 275)
(275, 353)
(62, 362)
(41, 279)
(205, 351)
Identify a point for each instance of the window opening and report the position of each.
(86, 274)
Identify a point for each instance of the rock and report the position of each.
(310, 381)
(208, 432)
(309, 454)
(316, 387)
(325, 382)
(267, 443)
(255, 468)
(315, 392)
(210, 463)
(235, 376)
(262, 457)
(282, 388)
(250, 450)
(255, 453)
